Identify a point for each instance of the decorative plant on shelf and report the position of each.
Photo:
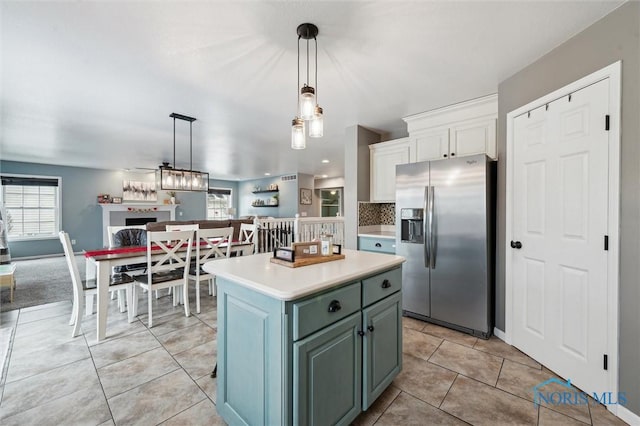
(172, 195)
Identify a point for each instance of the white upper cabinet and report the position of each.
(432, 144)
(384, 157)
(473, 137)
(466, 128)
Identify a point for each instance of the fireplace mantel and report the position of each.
(111, 211)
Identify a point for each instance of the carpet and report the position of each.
(40, 281)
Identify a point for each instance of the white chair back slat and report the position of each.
(212, 240)
(170, 244)
(72, 265)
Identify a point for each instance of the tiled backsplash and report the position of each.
(376, 214)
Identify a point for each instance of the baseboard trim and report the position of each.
(42, 256)
(628, 416)
(498, 333)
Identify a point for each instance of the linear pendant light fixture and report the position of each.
(172, 179)
(307, 97)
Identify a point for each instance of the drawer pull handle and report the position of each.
(386, 284)
(378, 245)
(335, 306)
(370, 328)
(361, 333)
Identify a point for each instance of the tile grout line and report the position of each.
(447, 393)
(206, 396)
(106, 400)
(499, 373)
(46, 372)
(442, 402)
(179, 367)
(385, 410)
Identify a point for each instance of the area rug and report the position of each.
(40, 281)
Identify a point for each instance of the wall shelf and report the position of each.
(265, 190)
(264, 205)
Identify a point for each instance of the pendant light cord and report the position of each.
(307, 62)
(174, 142)
(191, 146)
(316, 82)
(298, 86)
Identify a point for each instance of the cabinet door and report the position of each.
(383, 170)
(474, 137)
(327, 375)
(432, 144)
(382, 356)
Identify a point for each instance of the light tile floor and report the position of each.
(161, 375)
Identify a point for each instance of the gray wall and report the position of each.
(307, 210)
(613, 38)
(81, 214)
(356, 177)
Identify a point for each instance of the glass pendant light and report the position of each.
(317, 123)
(297, 134)
(307, 102)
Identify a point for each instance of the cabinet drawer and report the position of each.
(313, 314)
(381, 245)
(380, 286)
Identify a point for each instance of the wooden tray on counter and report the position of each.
(306, 261)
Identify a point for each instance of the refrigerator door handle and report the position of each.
(433, 240)
(425, 227)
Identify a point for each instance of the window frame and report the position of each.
(207, 201)
(58, 208)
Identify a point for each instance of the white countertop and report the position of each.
(378, 234)
(258, 273)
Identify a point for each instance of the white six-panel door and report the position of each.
(560, 205)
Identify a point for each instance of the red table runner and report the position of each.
(130, 249)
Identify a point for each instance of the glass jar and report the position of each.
(326, 244)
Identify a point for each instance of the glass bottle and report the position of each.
(326, 244)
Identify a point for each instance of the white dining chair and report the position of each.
(248, 234)
(167, 267)
(177, 297)
(87, 288)
(210, 243)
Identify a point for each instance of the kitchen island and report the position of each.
(310, 345)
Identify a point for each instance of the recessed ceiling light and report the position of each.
(267, 174)
(325, 176)
(325, 161)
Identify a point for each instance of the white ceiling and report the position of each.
(92, 84)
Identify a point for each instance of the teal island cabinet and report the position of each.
(313, 345)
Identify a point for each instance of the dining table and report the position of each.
(99, 264)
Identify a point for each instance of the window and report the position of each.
(31, 205)
(218, 203)
(331, 202)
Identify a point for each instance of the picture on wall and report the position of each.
(139, 191)
(305, 196)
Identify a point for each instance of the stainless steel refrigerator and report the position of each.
(445, 217)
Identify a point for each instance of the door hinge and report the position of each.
(606, 122)
(606, 242)
(606, 362)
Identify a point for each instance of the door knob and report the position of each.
(445, 155)
(516, 245)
